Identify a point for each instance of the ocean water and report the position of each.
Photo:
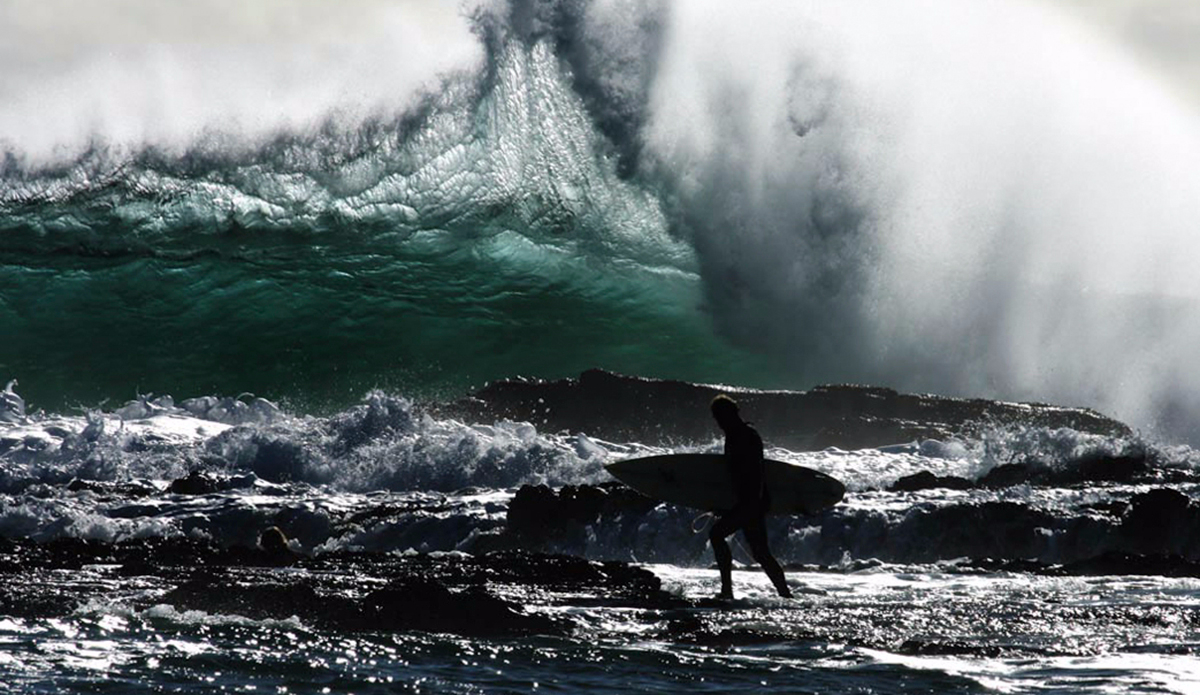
(235, 289)
(120, 580)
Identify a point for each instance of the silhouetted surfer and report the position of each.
(744, 455)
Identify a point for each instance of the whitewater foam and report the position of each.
(164, 77)
(387, 443)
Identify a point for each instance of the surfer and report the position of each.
(744, 456)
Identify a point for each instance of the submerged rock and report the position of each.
(131, 488)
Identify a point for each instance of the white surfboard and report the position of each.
(702, 481)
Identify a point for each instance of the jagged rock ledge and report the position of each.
(1091, 468)
(481, 595)
(1159, 522)
(653, 411)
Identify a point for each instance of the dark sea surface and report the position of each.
(231, 331)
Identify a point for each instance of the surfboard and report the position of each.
(702, 481)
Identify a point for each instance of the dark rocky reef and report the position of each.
(1111, 563)
(413, 600)
(1092, 469)
(1158, 522)
(481, 595)
(199, 483)
(1089, 470)
(622, 408)
(1161, 523)
(924, 480)
(571, 508)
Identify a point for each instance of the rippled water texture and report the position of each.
(887, 629)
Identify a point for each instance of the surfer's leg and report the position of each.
(755, 532)
(721, 530)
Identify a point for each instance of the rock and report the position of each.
(929, 647)
(621, 408)
(924, 480)
(1118, 563)
(406, 603)
(538, 513)
(1161, 520)
(1008, 475)
(196, 483)
(1114, 469)
(1093, 468)
(274, 544)
(133, 488)
(77, 485)
(436, 594)
(420, 604)
(214, 590)
(531, 509)
(1001, 530)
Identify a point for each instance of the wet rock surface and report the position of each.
(485, 595)
(1161, 521)
(519, 594)
(1112, 563)
(1087, 469)
(622, 408)
(539, 512)
(924, 480)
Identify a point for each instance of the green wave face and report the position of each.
(327, 322)
(464, 243)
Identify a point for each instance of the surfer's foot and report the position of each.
(785, 592)
(725, 595)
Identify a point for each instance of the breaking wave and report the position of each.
(765, 195)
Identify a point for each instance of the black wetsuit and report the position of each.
(744, 456)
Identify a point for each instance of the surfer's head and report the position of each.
(725, 410)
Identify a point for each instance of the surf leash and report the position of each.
(707, 517)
